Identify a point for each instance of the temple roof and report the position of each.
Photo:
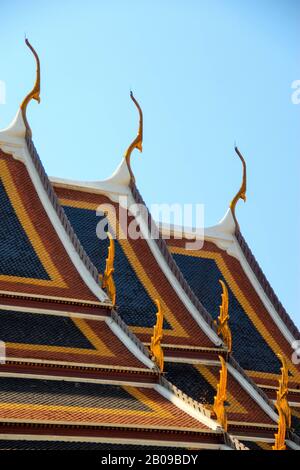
(259, 321)
(41, 255)
(78, 365)
(253, 346)
(139, 413)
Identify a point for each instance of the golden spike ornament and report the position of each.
(137, 143)
(220, 398)
(280, 436)
(155, 346)
(107, 280)
(34, 94)
(223, 319)
(241, 194)
(282, 406)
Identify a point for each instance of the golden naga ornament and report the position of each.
(155, 346)
(107, 280)
(241, 194)
(283, 407)
(220, 398)
(223, 319)
(34, 94)
(137, 143)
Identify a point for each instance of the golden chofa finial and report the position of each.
(223, 318)
(283, 407)
(241, 194)
(107, 280)
(155, 346)
(220, 398)
(137, 143)
(34, 94)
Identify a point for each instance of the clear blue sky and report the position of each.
(207, 74)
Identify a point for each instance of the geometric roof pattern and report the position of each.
(138, 281)
(77, 369)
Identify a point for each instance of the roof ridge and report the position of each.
(161, 244)
(268, 289)
(229, 440)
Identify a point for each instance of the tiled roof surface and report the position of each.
(138, 277)
(200, 382)
(256, 338)
(88, 403)
(187, 378)
(249, 348)
(59, 338)
(32, 260)
(32, 328)
(61, 393)
(135, 305)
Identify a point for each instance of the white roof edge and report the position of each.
(117, 184)
(187, 408)
(127, 341)
(249, 388)
(12, 140)
(212, 335)
(165, 268)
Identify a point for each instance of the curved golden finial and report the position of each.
(155, 346)
(282, 406)
(138, 141)
(223, 318)
(34, 94)
(241, 194)
(220, 398)
(107, 280)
